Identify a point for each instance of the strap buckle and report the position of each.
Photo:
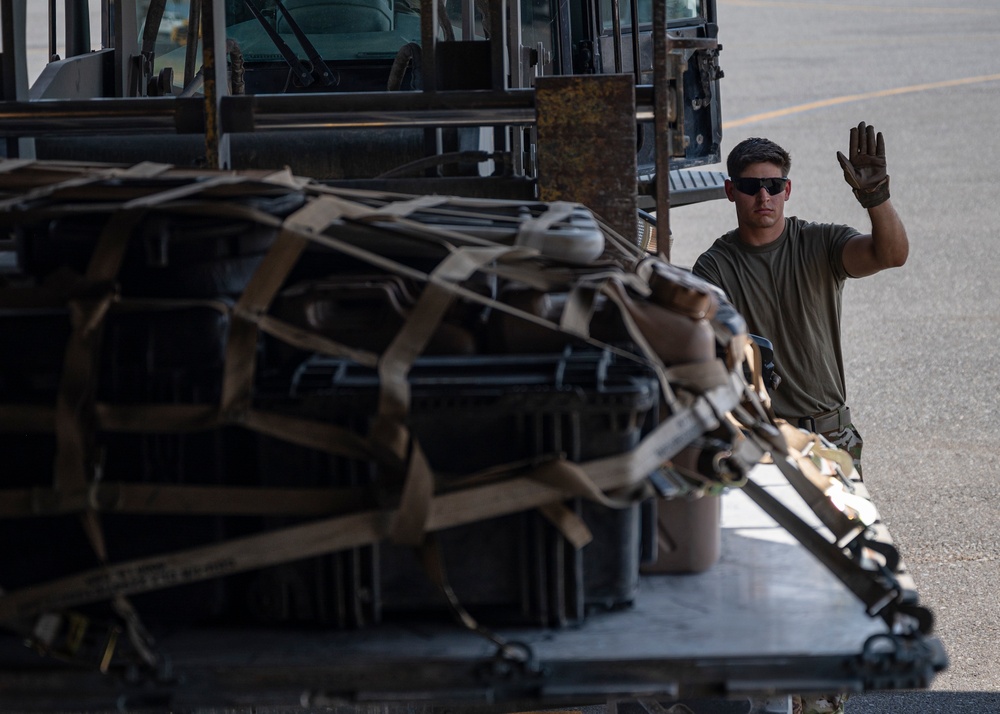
(832, 420)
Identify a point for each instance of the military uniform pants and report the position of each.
(849, 439)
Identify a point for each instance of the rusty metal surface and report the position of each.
(663, 97)
(586, 145)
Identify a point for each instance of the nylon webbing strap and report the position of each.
(389, 429)
(409, 524)
(532, 233)
(409, 343)
(138, 498)
(579, 310)
(811, 485)
(124, 497)
(175, 194)
(617, 293)
(81, 180)
(432, 560)
(407, 207)
(74, 430)
(321, 436)
(179, 418)
(570, 525)
(421, 509)
(357, 529)
(312, 342)
(861, 582)
(573, 480)
(11, 165)
(241, 347)
(87, 313)
(467, 294)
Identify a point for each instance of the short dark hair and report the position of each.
(755, 151)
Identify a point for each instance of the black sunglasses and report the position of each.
(750, 186)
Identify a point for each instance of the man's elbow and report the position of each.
(897, 259)
(878, 261)
(893, 254)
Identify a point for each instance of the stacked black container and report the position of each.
(470, 411)
(180, 274)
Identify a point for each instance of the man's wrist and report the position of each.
(871, 197)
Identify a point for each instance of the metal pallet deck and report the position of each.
(746, 627)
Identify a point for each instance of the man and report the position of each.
(786, 276)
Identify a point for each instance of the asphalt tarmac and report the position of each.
(37, 35)
(922, 378)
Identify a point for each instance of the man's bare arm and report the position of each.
(865, 170)
(887, 246)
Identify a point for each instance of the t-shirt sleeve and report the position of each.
(707, 269)
(837, 238)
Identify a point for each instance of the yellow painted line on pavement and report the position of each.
(833, 101)
(863, 8)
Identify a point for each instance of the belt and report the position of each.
(825, 422)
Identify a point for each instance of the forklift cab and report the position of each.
(391, 94)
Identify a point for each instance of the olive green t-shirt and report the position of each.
(789, 291)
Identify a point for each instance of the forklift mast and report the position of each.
(466, 97)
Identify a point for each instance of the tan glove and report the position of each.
(865, 169)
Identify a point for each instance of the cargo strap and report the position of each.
(389, 429)
(110, 496)
(812, 486)
(75, 396)
(709, 393)
(531, 234)
(432, 561)
(876, 596)
(792, 450)
(79, 180)
(87, 311)
(521, 492)
(74, 409)
(249, 316)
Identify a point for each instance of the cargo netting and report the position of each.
(249, 397)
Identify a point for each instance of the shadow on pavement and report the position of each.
(924, 703)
